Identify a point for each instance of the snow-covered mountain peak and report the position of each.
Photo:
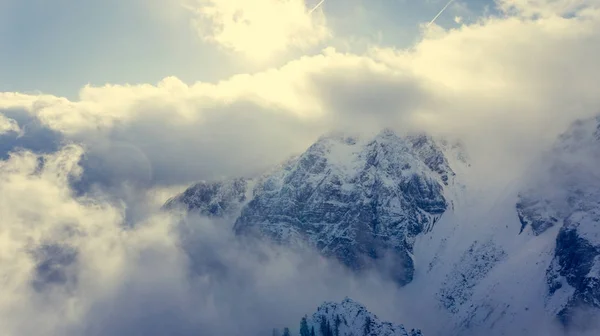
(351, 318)
(362, 202)
(583, 134)
(566, 195)
(344, 137)
(565, 180)
(384, 203)
(214, 199)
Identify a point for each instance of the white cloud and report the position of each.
(236, 127)
(37, 211)
(259, 29)
(71, 266)
(505, 85)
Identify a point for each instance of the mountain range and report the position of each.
(526, 263)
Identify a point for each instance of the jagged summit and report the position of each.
(383, 202)
(349, 318)
(214, 199)
(362, 200)
(567, 173)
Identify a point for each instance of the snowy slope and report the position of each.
(573, 278)
(520, 263)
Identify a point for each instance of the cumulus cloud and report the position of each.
(27, 131)
(486, 83)
(259, 29)
(497, 83)
(236, 127)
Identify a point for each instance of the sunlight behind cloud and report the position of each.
(259, 29)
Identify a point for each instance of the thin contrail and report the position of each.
(440, 13)
(317, 6)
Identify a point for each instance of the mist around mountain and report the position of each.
(400, 222)
(396, 221)
(524, 264)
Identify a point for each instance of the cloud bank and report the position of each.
(70, 266)
(487, 83)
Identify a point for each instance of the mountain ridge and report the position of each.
(359, 200)
(534, 255)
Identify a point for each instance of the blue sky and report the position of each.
(59, 46)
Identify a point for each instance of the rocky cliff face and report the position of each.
(569, 197)
(384, 202)
(214, 199)
(362, 202)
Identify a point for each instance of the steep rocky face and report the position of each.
(569, 196)
(349, 318)
(360, 201)
(213, 199)
(430, 153)
(576, 265)
(536, 214)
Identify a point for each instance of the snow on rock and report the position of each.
(350, 318)
(474, 265)
(214, 199)
(568, 196)
(537, 214)
(361, 201)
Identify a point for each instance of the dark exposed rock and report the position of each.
(213, 199)
(569, 196)
(537, 214)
